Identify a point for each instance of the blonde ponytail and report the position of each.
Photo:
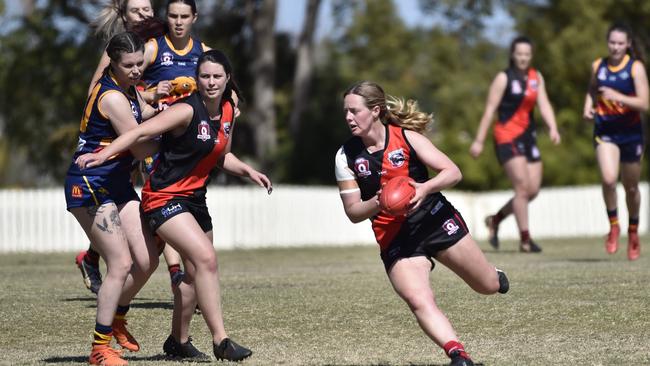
(110, 20)
(406, 114)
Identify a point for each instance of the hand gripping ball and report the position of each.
(396, 194)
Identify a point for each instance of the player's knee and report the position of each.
(207, 261)
(609, 183)
(631, 189)
(416, 300)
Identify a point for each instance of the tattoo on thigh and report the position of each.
(104, 226)
(115, 218)
(94, 210)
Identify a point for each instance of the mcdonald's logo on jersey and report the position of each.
(77, 192)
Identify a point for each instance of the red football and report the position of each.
(396, 194)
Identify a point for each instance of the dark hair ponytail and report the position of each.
(220, 58)
(513, 45)
(125, 42)
(633, 50)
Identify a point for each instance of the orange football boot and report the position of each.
(123, 337)
(611, 244)
(105, 355)
(633, 246)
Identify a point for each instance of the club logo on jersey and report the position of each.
(167, 59)
(204, 131)
(533, 84)
(171, 209)
(602, 74)
(76, 191)
(450, 227)
(362, 167)
(397, 158)
(515, 87)
(226, 129)
(80, 144)
(134, 110)
(625, 75)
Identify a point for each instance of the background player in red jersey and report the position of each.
(386, 143)
(618, 93)
(196, 137)
(513, 94)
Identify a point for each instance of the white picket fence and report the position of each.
(246, 217)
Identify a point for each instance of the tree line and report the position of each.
(292, 121)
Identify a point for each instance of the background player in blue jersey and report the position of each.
(386, 143)
(170, 59)
(618, 93)
(513, 94)
(196, 137)
(103, 200)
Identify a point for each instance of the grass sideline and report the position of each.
(572, 304)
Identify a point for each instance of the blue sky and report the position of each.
(291, 14)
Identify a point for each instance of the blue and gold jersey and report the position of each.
(178, 66)
(96, 130)
(614, 120)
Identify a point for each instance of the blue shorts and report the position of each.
(631, 148)
(95, 190)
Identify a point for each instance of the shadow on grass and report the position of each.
(66, 359)
(167, 305)
(84, 359)
(588, 260)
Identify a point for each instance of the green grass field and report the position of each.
(573, 304)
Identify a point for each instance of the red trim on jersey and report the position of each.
(198, 176)
(384, 225)
(520, 120)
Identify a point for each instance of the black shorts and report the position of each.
(173, 207)
(631, 149)
(427, 234)
(524, 145)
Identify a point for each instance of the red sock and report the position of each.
(173, 269)
(455, 346)
(525, 236)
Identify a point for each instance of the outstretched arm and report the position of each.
(176, 116)
(231, 164)
(495, 94)
(546, 110)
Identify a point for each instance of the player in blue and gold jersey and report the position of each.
(196, 138)
(618, 93)
(170, 59)
(386, 143)
(513, 95)
(103, 200)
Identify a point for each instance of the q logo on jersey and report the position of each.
(450, 227)
(167, 59)
(204, 131)
(397, 158)
(362, 167)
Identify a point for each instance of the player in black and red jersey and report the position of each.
(196, 138)
(618, 93)
(386, 143)
(513, 95)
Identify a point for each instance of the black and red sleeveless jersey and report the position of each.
(516, 107)
(371, 170)
(185, 161)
